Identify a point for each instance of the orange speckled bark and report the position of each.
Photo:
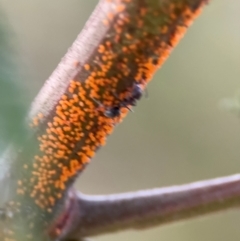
(122, 45)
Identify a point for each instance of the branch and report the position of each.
(102, 75)
(94, 215)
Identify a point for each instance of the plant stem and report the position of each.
(103, 214)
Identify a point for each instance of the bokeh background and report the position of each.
(176, 135)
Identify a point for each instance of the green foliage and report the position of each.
(12, 98)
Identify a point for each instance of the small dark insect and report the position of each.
(110, 112)
(136, 95)
(115, 111)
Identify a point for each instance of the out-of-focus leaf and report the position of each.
(12, 96)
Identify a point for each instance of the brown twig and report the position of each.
(143, 209)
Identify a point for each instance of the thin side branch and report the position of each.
(143, 209)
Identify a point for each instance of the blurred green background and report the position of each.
(176, 135)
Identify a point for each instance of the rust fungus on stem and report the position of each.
(123, 44)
